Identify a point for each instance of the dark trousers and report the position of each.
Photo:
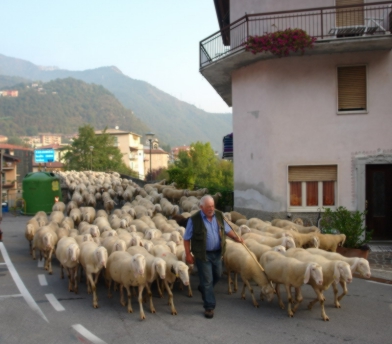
(209, 272)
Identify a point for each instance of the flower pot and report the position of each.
(353, 252)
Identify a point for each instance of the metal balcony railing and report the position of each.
(323, 23)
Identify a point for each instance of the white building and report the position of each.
(310, 131)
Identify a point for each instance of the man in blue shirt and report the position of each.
(205, 236)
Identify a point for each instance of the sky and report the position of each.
(155, 41)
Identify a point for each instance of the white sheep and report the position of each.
(174, 269)
(76, 215)
(238, 260)
(332, 271)
(292, 273)
(287, 242)
(88, 214)
(127, 270)
(258, 249)
(68, 252)
(155, 268)
(31, 228)
(58, 206)
(330, 242)
(288, 224)
(93, 259)
(45, 240)
(357, 264)
(56, 216)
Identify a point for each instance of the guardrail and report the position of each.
(322, 23)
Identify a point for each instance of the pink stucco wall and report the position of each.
(284, 113)
(238, 8)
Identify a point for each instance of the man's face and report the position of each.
(208, 208)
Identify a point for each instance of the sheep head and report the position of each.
(139, 264)
(315, 271)
(101, 256)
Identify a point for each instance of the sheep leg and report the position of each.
(122, 296)
(345, 290)
(62, 271)
(30, 247)
(335, 292)
(190, 294)
(171, 302)
(49, 260)
(159, 287)
(75, 279)
(229, 281)
(109, 284)
(277, 290)
(321, 299)
(289, 300)
(94, 290)
(127, 287)
(235, 282)
(298, 298)
(140, 299)
(247, 284)
(33, 249)
(149, 293)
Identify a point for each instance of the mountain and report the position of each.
(62, 106)
(173, 121)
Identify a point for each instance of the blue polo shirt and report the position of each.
(213, 238)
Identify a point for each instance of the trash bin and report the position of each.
(4, 207)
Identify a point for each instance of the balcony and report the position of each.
(133, 156)
(338, 29)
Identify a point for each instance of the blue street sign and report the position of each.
(44, 155)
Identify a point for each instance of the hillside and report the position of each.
(61, 106)
(173, 121)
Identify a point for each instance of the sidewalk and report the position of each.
(381, 265)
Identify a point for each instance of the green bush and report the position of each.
(346, 222)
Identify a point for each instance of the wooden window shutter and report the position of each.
(313, 173)
(349, 16)
(351, 88)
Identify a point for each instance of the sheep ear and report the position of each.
(336, 274)
(307, 274)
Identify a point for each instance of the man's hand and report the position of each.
(189, 259)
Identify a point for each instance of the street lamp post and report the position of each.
(149, 138)
(91, 156)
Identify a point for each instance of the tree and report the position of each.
(200, 167)
(96, 152)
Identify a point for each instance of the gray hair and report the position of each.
(204, 198)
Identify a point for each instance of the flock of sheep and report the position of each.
(135, 238)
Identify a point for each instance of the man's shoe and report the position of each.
(209, 313)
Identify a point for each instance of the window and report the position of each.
(352, 89)
(349, 16)
(312, 186)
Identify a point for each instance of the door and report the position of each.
(379, 200)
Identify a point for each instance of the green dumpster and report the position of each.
(40, 191)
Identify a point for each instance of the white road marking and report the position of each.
(389, 285)
(41, 263)
(2, 264)
(87, 334)
(19, 283)
(54, 302)
(42, 280)
(9, 296)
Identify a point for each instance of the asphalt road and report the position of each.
(28, 316)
